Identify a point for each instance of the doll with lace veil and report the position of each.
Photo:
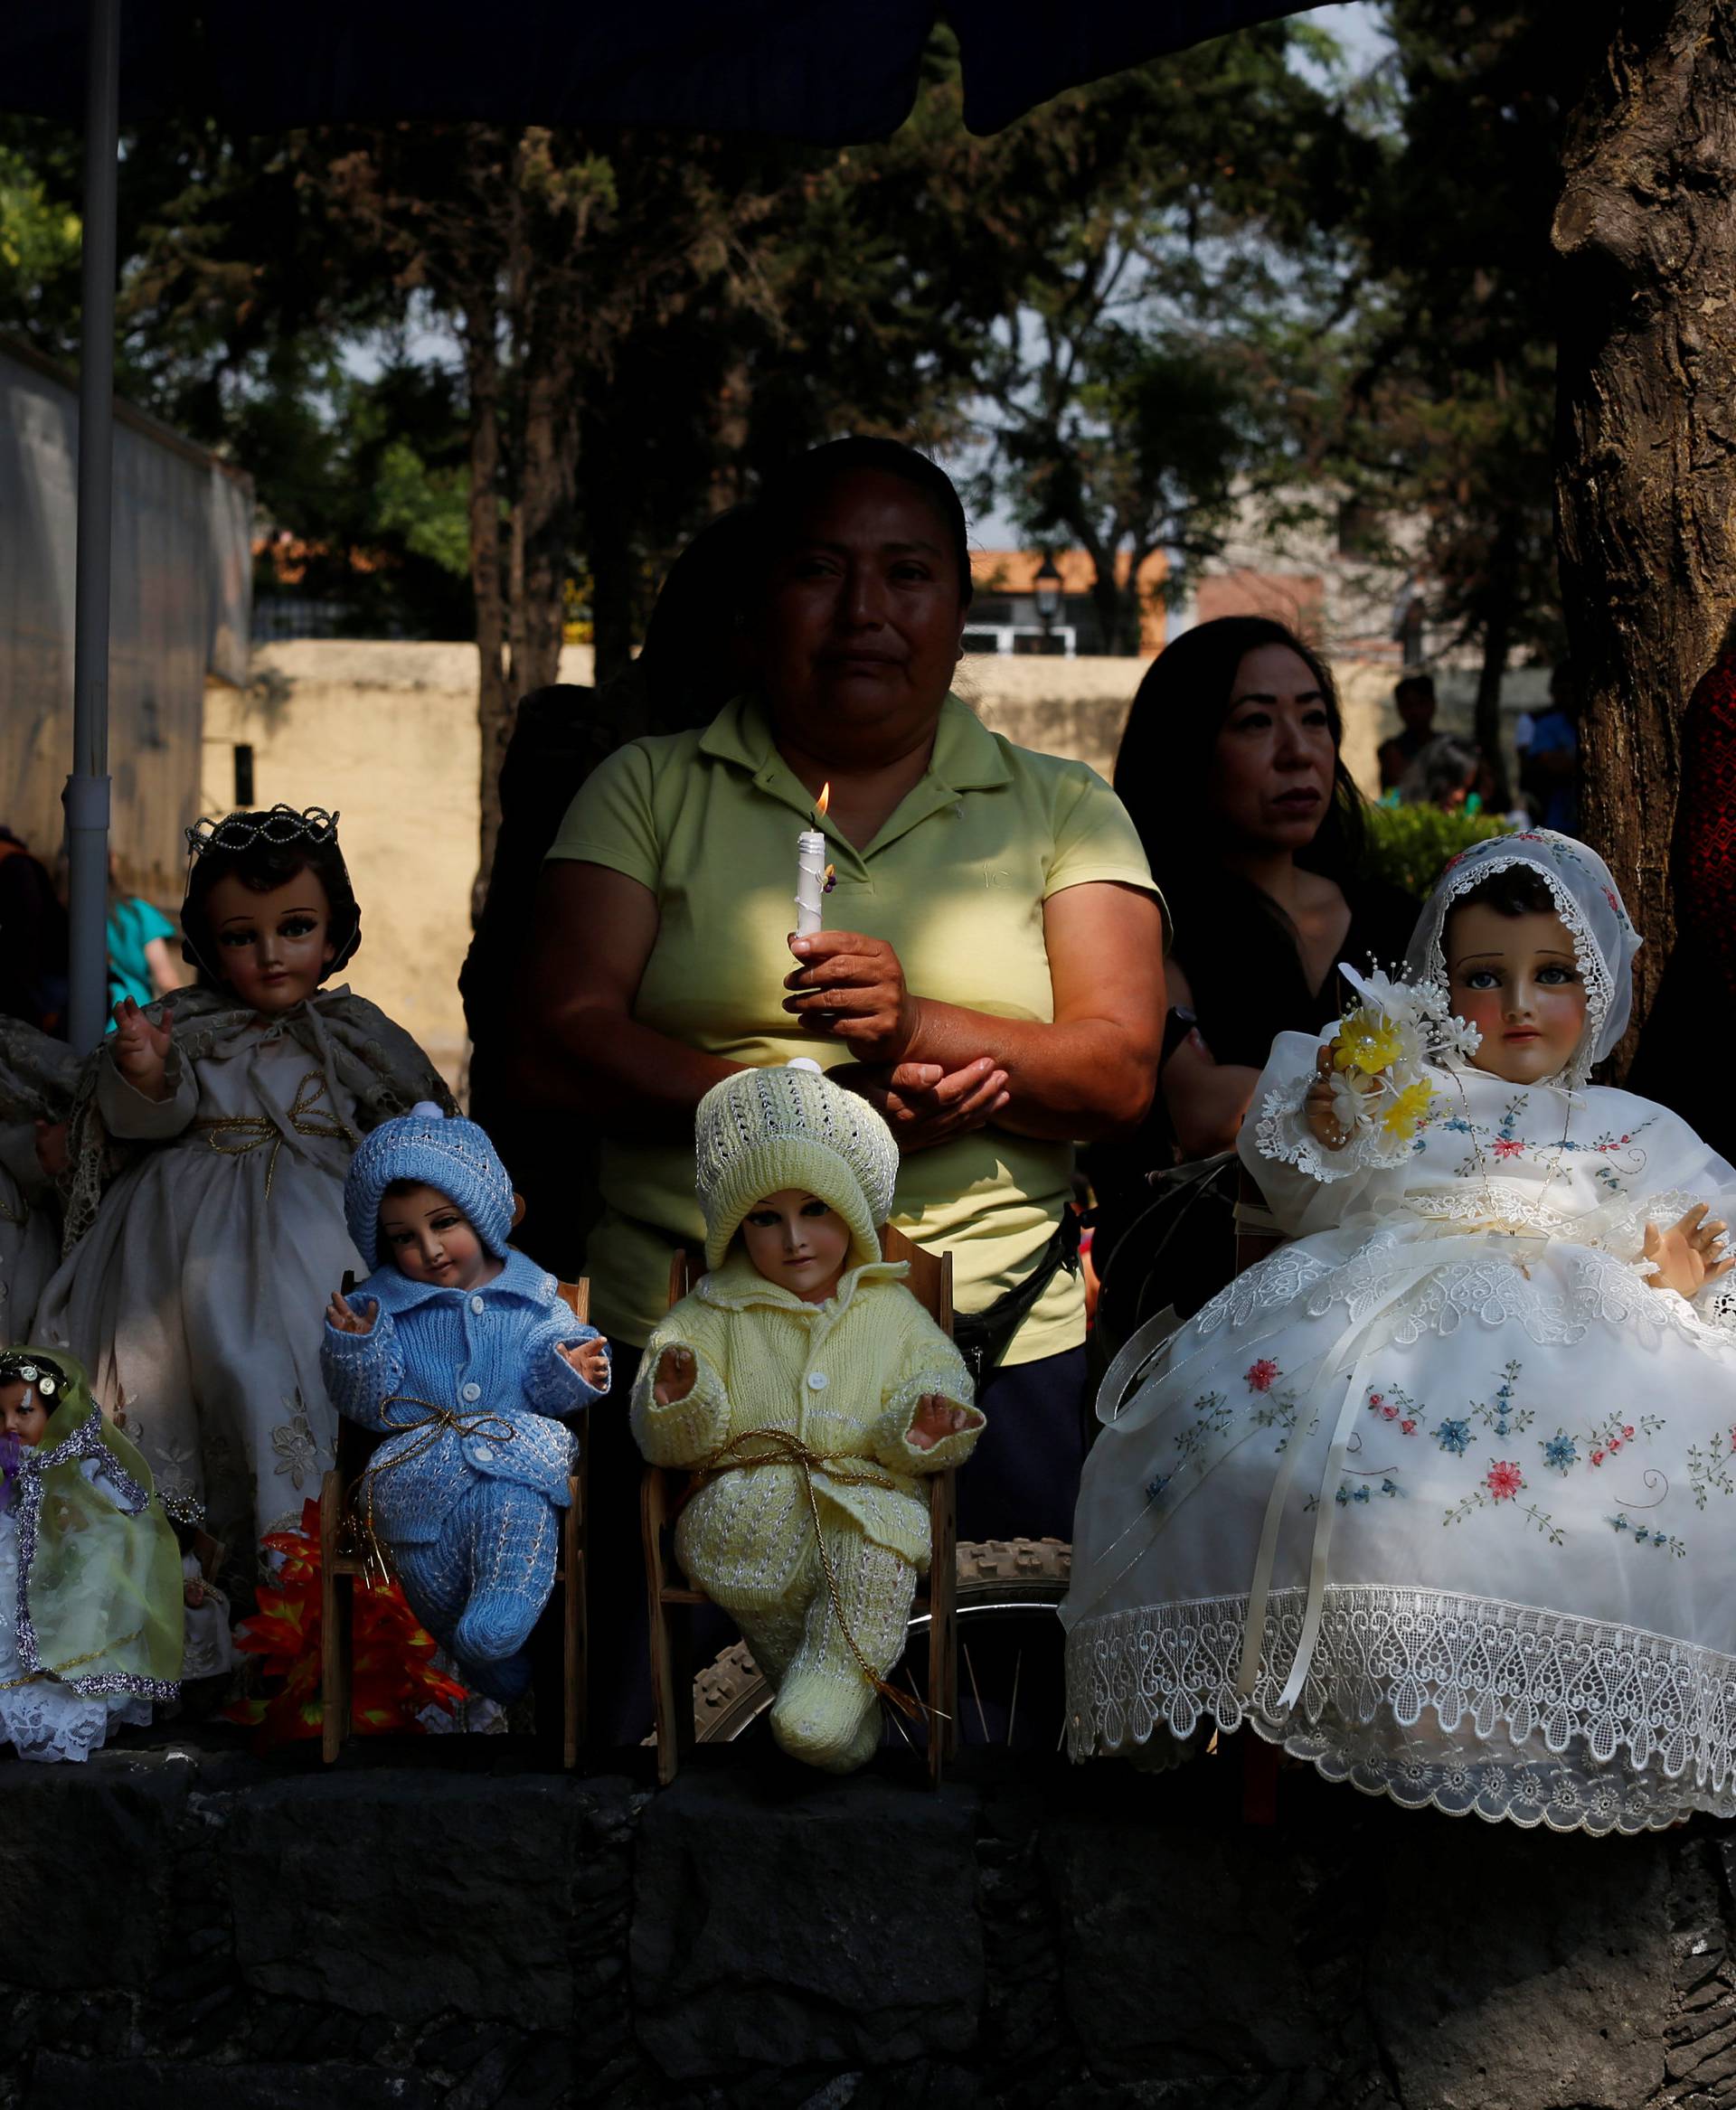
(209, 1142)
(1439, 1496)
(89, 1577)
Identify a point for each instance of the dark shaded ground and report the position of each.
(442, 1925)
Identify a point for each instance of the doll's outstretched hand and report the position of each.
(676, 1370)
(343, 1317)
(590, 1360)
(1318, 1110)
(935, 1419)
(51, 1147)
(142, 1049)
(1686, 1255)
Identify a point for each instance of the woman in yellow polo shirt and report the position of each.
(990, 974)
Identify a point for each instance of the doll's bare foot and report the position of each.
(676, 1370)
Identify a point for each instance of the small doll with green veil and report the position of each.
(90, 1583)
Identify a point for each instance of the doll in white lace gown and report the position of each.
(1440, 1495)
(37, 1075)
(209, 1145)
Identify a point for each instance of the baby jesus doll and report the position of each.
(89, 1577)
(460, 1352)
(808, 1389)
(1436, 1497)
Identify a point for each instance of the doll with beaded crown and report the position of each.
(1438, 1497)
(208, 1146)
(460, 1352)
(91, 1587)
(809, 1389)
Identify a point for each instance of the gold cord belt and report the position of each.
(235, 1134)
(72, 1662)
(436, 1421)
(790, 1450)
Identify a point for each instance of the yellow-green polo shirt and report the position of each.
(954, 881)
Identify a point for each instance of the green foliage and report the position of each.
(1408, 845)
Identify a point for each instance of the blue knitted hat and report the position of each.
(450, 1154)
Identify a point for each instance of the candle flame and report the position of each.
(824, 798)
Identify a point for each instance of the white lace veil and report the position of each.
(1604, 940)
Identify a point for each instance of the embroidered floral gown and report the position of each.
(1466, 1480)
(197, 1297)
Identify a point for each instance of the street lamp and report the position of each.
(1048, 588)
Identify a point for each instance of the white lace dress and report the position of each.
(29, 1234)
(40, 1716)
(197, 1297)
(1440, 1497)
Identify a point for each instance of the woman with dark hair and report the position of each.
(1230, 767)
(990, 974)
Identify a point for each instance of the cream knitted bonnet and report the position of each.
(762, 1130)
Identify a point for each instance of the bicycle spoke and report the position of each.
(977, 1695)
(1012, 1706)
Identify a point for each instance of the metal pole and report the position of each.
(86, 796)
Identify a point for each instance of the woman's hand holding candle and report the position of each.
(851, 988)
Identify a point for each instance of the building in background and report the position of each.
(179, 614)
(1005, 618)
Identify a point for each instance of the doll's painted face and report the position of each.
(1516, 979)
(22, 1412)
(271, 948)
(428, 1238)
(797, 1241)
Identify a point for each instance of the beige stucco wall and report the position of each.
(385, 734)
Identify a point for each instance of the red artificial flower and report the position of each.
(392, 1677)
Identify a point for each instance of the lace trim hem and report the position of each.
(1629, 1702)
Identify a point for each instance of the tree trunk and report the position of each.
(541, 526)
(612, 602)
(1497, 634)
(494, 707)
(1646, 441)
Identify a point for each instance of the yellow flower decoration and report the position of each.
(1367, 1042)
(1408, 1112)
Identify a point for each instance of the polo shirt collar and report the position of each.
(966, 756)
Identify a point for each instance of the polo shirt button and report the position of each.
(473, 1391)
(483, 1454)
(816, 1380)
(475, 1306)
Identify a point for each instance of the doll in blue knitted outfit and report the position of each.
(460, 1352)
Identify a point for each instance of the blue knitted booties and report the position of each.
(502, 1679)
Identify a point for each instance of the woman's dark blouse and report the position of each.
(1247, 986)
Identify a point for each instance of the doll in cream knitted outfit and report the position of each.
(801, 1361)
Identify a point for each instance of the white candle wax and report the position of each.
(810, 881)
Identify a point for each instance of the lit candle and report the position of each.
(810, 871)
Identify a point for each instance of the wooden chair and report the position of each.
(672, 1668)
(340, 1566)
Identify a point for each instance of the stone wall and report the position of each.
(200, 1928)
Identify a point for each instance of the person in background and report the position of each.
(1414, 700)
(1449, 773)
(33, 939)
(140, 963)
(989, 975)
(1549, 757)
(687, 669)
(1231, 768)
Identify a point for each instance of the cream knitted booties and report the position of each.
(826, 1713)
